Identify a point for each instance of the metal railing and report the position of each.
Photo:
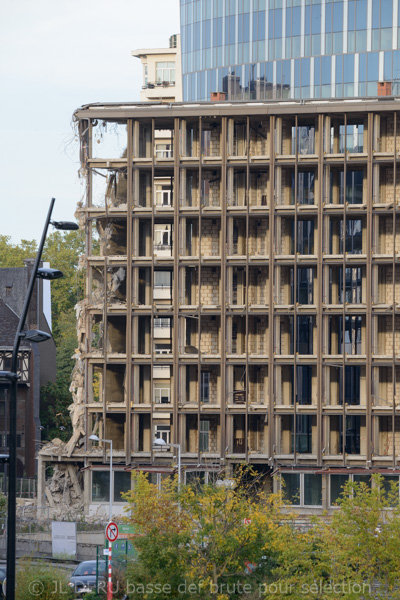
(26, 486)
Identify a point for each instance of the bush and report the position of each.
(42, 581)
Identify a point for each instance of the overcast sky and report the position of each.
(56, 55)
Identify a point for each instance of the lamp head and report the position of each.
(48, 273)
(94, 438)
(160, 442)
(65, 225)
(34, 335)
(7, 376)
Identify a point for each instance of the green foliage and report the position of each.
(42, 581)
(62, 250)
(3, 505)
(197, 541)
(12, 255)
(354, 554)
(198, 538)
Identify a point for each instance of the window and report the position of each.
(122, 484)
(351, 138)
(387, 483)
(162, 393)
(350, 438)
(304, 384)
(351, 190)
(302, 489)
(337, 483)
(305, 139)
(352, 385)
(162, 322)
(304, 341)
(312, 489)
(146, 75)
(163, 432)
(305, 237)
(163, 193)
(291, 487)
(205, 386)
(162, 348)
(162, 237)
(352, 335)
(165, 72)
(305, 187)
(354, 186)
(352, 234)
(204, 436)
(305, 287)
(353, 282)
(162, 279)
(163, 151)
(303, 434)
(101, 485)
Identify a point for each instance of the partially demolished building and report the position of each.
(243, 293)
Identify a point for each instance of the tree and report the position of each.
(203, 542)
(62, 250)
(12, 255)
(353, 554)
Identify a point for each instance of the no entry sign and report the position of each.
(112, 531)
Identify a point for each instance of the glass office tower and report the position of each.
(290, 49)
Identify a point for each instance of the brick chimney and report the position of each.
(384, 88)
(217, 96)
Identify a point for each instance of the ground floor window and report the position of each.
(302, 489)
(101, 485)
(337, 483)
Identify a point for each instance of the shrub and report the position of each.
(41, 581)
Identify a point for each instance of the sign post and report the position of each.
(112, 536)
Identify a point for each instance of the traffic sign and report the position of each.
(247, 521)
(112, 531)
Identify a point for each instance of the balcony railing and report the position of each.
(154, 84)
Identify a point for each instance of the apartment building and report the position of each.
(162, 73)
(249, 312)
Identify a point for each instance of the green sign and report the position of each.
(123, 548)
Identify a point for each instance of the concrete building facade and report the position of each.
(254, 316)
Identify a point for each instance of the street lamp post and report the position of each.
(95, 438)
(12, 377)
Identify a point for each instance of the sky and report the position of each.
(55, 56)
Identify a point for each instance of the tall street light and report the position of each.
(12, 377)
(95, 438)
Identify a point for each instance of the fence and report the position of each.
(26, 486)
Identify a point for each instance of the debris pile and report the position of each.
(64, 492)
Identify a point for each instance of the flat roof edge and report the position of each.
(126, 110)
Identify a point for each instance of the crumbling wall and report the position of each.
(64, 492)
